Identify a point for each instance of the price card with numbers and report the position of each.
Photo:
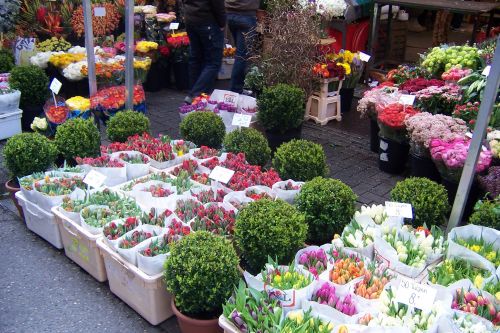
(94, 179)
(221, 174)
(415, 294)
(242, 120)
(407, 99)
(398, 209)
(364, 57)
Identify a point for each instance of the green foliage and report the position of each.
(125, 124)
(26, 153)
(251, 142)
(203, 129)
(328, 205)
(428, 199)
(33, 84)
(269, 228)
(487, 213)
(78, 138)
(201, 272)
(300, 160)
(281, 107)
(6, 60)
(254, 80)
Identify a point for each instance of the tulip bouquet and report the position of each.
(104, 197)
(373, 283)
(474, 302)
(26, 183)
(158, 149)
(206, 152)
(156, 247)
(407, 251)
(100, 162)
(181, 147)
(300, 321)
(391, 120)
(201, 178)
(158, 191)
(468, 324)
(315, 261)
(187, 209)
(285, 277)
(493, 287)
(326, 295)
(375, 212)
(153, 218)
(257, 195)
(206, 196)
(431, 241)
(346, 268)
(215, 219)
(134, 159)
(114, 230)
(190, 166)
(137, 237)
(452, 270)
(356, 236)
(176, 230)
(482, 247)
(58, 186)
(98, 217)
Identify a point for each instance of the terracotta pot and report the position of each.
(11, 187)
(191, 325)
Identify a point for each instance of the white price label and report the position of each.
(242, 120)
(383, 145)
(94, 179)
(407, 99)
(364, 57)
(486, 71)
(99, 11)
(384, 157)
(414, 294)
(55, 86)
(221, 174)
(398, 209)
(174, 26)
(228, 46)
(468, 134)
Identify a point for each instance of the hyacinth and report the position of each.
(423, 127)
(314, 260)
(454, 153)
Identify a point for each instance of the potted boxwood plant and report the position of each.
(203, 129)
(125, 124)
(33, 84)
(78, 138)
(250, 142)
(281, 113)
(328, 205)
(201, 273)
(269, 228)
(24, 154)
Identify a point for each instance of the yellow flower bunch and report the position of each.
(78, 103)
(143, 63)
(347, 67)
(64, 59)
(179, 34)
(145, 46)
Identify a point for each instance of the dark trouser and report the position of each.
(205, 56)
(243, 29)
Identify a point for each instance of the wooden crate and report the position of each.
(397, 42)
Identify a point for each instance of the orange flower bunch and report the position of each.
(346, 270)
(229, 52)
(102, 25)
(104, 69)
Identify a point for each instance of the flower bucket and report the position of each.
(393, 156)
(374, 141)
(424, 167)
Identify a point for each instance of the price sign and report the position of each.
(383, 145)
(99, 11)
(468, 134)
(241, 120)
(94, 179)
(55, 86)
(407, 99)
(228, 46)
(174, 26)
(486, 71)
(398, 209)
(364, 57)
(221, 174)
(415, 294)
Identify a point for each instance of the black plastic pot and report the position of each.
(346, 96)
(374, 140)
(276, 139)
(424, 167)
(393, 156)
(181, 75)
(154, 79)
(474, 195)
(29, 113)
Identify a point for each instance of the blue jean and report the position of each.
(243, 29)
(206, 43)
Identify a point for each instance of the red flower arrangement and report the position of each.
(329, 70)
(201, 178)
(158, 149)
(206, 152)
(392, 120)
(414, 85)
(164, 50)
(176, 230)
(113, 98)
(215, 219)
(189, 166)
(100, 162)
(114, 231)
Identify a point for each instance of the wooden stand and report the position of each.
(324, 105)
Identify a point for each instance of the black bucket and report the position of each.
(393, 156)
(374, 140)
(424, 167)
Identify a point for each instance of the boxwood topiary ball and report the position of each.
(78, 138)
(203, 129)
(125, 124)
(250, 142)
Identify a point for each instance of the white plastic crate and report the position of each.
(10, 124)
(40, 221)
(80, 246)
(144, 293)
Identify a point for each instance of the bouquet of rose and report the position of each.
(453, 270)
(474, 302)
(417, 84)
(215, 218)
(392, 121)
(314, 260)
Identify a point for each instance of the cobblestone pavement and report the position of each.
(44, 291)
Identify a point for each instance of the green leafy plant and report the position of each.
(328, 205)
(6, 61)
(33, 84)
(125, 124)
(487, 213)
(78, 138)
(203, 129)
(251, 142)
(26, 153)
(254, 80)
(201, 272)
(300, 160)
(281, 108)
(429, 200)
(269, 228)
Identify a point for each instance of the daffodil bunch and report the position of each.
(145, 46)
(300, 321)
(481, 247)
(78, 103)
(452, 270)
(285, 277)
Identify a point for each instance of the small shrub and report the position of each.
(7, 60)
(251, 142)
(300, 160)
(26, 153)
(201, 272)
(78, 138)
(328, 205)
(269, 228)
(281, 108)
(125, 124)
(33, 84)
(203, 129)
(487, 213)
(428, 199)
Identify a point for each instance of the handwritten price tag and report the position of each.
(99, 11)
(364, 57)
(94, 179)
(407, 99)
(398, 209)
(486, 71)
(221, 174)
(242, 120)
(55, 86)
(174, 26)
(415, 294)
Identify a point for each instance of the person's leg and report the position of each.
(243, 29)
(195, 56)
(212, 39)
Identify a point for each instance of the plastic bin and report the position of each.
(227, 326)
(147, 295)
(10, 124)
(80, 246)
(40, 221)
